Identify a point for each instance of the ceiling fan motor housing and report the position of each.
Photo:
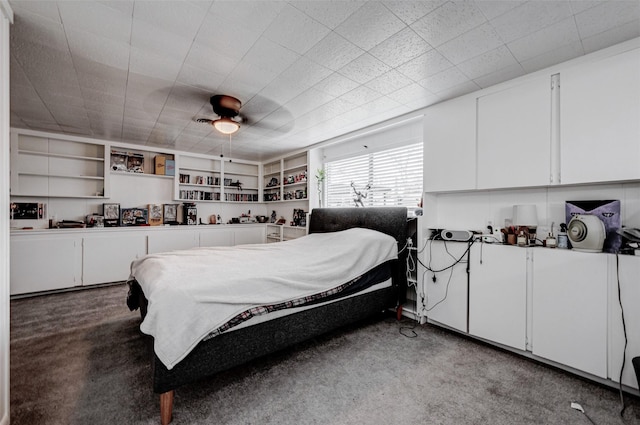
(225, 106)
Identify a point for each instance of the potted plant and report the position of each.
(320, 176)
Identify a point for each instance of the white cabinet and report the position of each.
(216, 237)
(498, 294)
(172, 240)
(514, 136)
(249, 235)
(629, 270)
(446, 296)
(450, 146)
(107, 258)
(44, 263)
(600, 120)
(569, 319)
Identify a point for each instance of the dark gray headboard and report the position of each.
(389, 220)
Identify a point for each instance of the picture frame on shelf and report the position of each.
(118, 161)
(135, 163)
(134, 217)
(190, 213)
(156, 215)
(299, 217)
(170, 214)
(111, 213)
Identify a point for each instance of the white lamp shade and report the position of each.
(226, 126)
(525, 215)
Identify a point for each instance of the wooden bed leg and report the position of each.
(399, 313)
(166, 407)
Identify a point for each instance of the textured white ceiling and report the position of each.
(306, 71)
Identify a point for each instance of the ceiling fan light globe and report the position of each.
(226, 126)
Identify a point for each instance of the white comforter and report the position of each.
(193, 292)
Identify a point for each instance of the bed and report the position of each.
(380, 288)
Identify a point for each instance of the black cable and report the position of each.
(624, 331)
(469, 244)
(450, 267)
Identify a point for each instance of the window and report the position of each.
(390, 177)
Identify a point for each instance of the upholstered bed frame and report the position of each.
(240, 346)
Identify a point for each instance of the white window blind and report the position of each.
(390, 177)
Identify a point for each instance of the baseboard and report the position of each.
(5, 418)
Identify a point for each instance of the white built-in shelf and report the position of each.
(62, 176)
(126, 173)
(45, 165)
(199, 170)
(58, 155)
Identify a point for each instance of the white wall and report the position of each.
(472, 210)
(5, 16)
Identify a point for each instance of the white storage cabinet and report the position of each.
(450, 146)
(570, 310)
(498, 294)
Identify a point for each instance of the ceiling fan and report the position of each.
(228, 109)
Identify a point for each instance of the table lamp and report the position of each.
(525, 217)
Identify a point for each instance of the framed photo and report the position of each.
(111, 213)
(170, 214)
(134, 216)
(119, 161)
(135, 163)
(299, 217)
(155, 215)
(189, 213)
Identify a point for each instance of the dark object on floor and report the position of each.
(636, 367)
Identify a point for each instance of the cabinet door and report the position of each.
(514, 136)
(249, 235)
(498, 294)
(45, 263)
(629, 270)
(570, 309)
(171, 240)
(450, 146)
(446, 298)
(600, 120)
(216, 237)
(107, 258)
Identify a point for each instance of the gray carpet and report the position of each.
(78, 358)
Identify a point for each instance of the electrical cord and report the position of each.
(428, 268)
(411, 267)
(624, 331)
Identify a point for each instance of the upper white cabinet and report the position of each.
(498, 294)
(53, 167)
(570, 310)
(600, 120)
(514, 128)
(450, 146)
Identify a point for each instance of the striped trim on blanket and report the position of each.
(265, 309)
